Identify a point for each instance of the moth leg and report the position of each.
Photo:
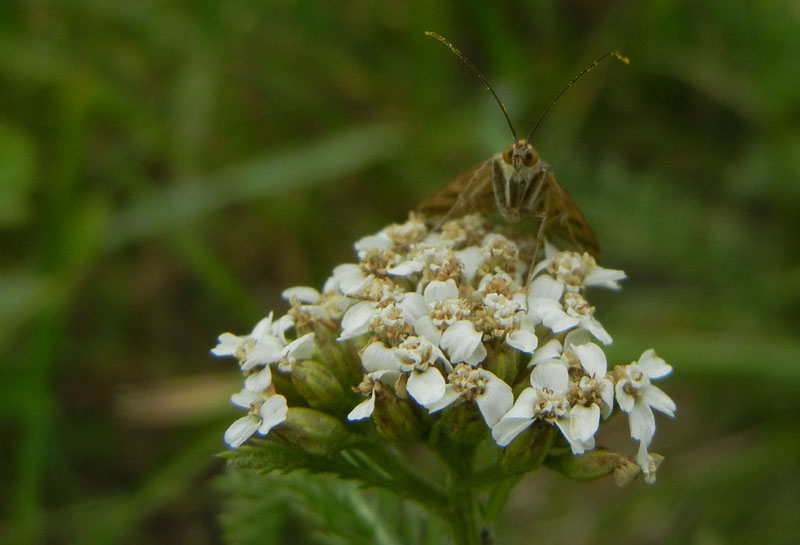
(539, 246)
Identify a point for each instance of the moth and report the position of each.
(516, 181)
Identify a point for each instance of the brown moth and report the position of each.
(516, 181)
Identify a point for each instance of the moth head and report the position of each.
(520, 155)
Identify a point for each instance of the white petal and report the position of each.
(342, 303)
(355, 321)
(437, 291)
(586, 445)
(267, 350)
(507, 429)
(227, 343)
(486, 278)
(350, 277)
(550, 376)
(426, 387)
(258, 382)
(657, 399)
(607, 395)
(516, 420)
(642, 456)
(241, 430)
(576, 337)
(371, 242)
(263, 327)
(330, 284)
(537, 306)
(413, 306)
(477, 356)
(624, 399)
(577, 445)
(548, 351)
(405, 268)
(606, 278)
(376, 357)
(437, 241)
(523, 340)
(273, 412)
(593, 359)
(648, 463)
(279, 328)
(355, 285)
(346, 270)
(550, 251)
(654, 366)
(425, 328)
(450, 395)
(583, 421)
(301, 348)
(553, 316)
(642, 422)
(461, 340)
(596, 328)
(246, 397)
(387, 376)
(303, 294)
(541, 266)
(546, 287)
(471, 259)
(496, 400)
(523, 407)
(363, 410)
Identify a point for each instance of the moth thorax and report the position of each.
(520, 155)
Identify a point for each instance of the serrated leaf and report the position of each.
(269, 455)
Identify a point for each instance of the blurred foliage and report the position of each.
(167, 168)
(330, 512)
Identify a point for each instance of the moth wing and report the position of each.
(564, 219)
(470, 193)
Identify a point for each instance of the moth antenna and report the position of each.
(478, 73)
(597, 61)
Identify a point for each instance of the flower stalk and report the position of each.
(463, 518)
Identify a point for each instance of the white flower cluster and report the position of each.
(436, 316)
(265, 346)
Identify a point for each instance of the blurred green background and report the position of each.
(167, 168)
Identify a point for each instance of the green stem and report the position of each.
(491, 475)
(463, 517)
(416, 486)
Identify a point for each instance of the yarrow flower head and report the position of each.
(453, 339)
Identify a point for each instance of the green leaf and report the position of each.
(270, 455)
(316, 162)
(303, 509)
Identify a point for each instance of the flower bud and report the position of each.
(593, 465)
(284, 386)
(340, 357)
(314, 431)
(461, 423)
(397, 420)
(504, 363)
(318, 385)
(529, 449)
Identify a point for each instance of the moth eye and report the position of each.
(531, 158)
(507, 156)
